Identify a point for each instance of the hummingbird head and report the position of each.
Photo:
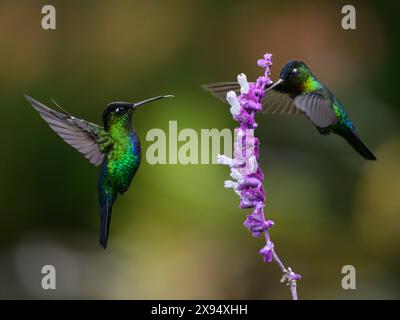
(294, 70)
(121, 112)
(117, 112)
(293, 77)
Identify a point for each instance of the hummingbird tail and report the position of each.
(105, 219)
(355, 141)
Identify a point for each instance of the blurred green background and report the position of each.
(177, 233)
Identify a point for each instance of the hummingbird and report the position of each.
(299, 92)
(115, 147)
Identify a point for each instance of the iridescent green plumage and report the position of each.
(116, 147)
(124, 156)
(119, 167)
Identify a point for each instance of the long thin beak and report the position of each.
(137, 104)
(277, 83)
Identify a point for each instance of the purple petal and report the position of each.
(267, 252)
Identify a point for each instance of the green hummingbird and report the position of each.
(115, 147)
(299, 92)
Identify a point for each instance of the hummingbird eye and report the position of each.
(293, 72)
(120, 110)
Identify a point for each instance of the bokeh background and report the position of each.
(177, 233)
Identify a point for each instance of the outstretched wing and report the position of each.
(276, 102)
(220, 89)
(273, 101)
(317, 106)
(84, 136)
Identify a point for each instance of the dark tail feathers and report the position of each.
(105, 219)
(356, 142)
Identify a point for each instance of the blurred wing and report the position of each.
(275, 102)
(82, 135)
(317, 106)
(220, 89)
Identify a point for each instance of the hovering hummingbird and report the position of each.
(115, 147)
(298, 92)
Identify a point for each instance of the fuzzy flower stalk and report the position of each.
(247, 176)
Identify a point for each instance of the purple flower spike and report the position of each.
(245, 171)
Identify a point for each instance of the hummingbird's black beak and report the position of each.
(277, 83)
(137, 104)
